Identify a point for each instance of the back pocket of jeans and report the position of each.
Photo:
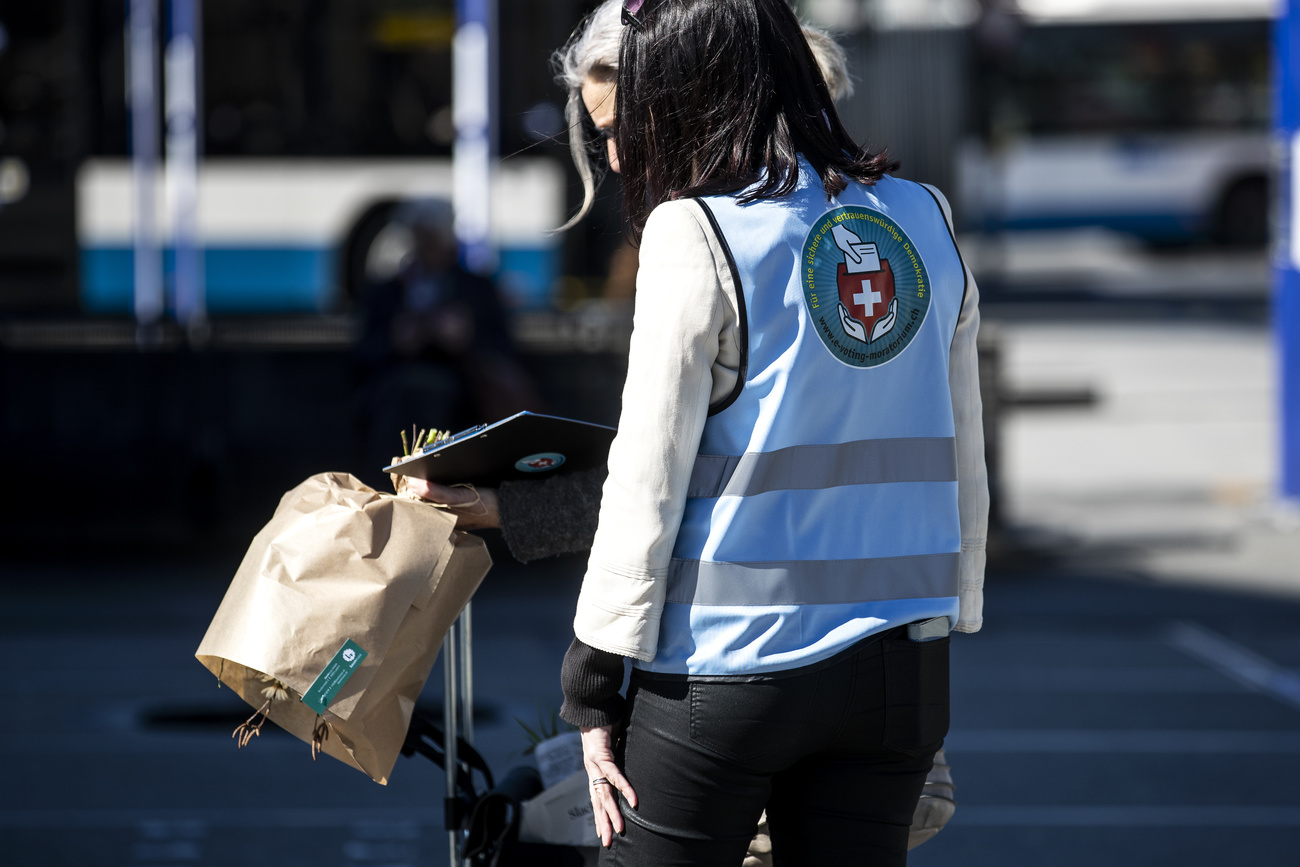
(916, 695)
(745, 722)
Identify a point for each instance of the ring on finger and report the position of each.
(599, 781)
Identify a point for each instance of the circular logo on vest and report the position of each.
(865, 285)
(540, 463)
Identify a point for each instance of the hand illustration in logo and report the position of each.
(349, 655)
(852, 327)
(886, 322)
(859, 256)
(866, 283)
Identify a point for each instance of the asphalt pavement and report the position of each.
(1134, 697)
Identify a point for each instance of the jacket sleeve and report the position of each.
(680, 312)
(972, 474)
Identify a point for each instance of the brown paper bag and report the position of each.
(338, 562)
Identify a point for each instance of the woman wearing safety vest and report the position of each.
(795, 511)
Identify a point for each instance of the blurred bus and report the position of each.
(319, 120)
(1144, 117)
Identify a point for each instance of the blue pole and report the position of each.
(182, 66)
(1286, 260)
(473, 110)
(142, 87)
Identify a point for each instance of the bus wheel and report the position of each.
(356, 247)
(1242, 220)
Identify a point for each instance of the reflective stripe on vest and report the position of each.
(812, 582)
(864, 462)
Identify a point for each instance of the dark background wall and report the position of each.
(112, 448)
(910, 95)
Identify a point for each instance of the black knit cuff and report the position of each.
(591, 680)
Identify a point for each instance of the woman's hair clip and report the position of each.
(632, 8)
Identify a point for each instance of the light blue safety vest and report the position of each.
(822, 506)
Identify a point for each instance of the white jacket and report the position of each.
(685, 357)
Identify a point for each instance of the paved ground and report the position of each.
(119, 751)
(1133, 699)
(1096, 720)
(1169, 470)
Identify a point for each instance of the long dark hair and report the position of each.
(714, 95)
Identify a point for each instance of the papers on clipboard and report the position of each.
(524, 446)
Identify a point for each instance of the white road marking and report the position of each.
(1242, 665)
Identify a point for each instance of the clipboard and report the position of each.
(526, 445)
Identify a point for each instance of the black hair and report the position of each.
(714, 95)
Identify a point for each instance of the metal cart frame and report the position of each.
(457, 719)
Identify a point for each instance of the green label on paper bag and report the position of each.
(331, 680)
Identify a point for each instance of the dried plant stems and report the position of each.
(249, 730)
(319, 735)
(276, 691)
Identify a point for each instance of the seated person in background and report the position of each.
(435, 342)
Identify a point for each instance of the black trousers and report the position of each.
(836, 752)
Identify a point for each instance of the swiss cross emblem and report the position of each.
(867, 290)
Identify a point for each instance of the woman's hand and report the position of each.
(474, 508)
(605, 777)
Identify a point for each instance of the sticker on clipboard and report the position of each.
(540, 463)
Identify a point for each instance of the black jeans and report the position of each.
(837, 752)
